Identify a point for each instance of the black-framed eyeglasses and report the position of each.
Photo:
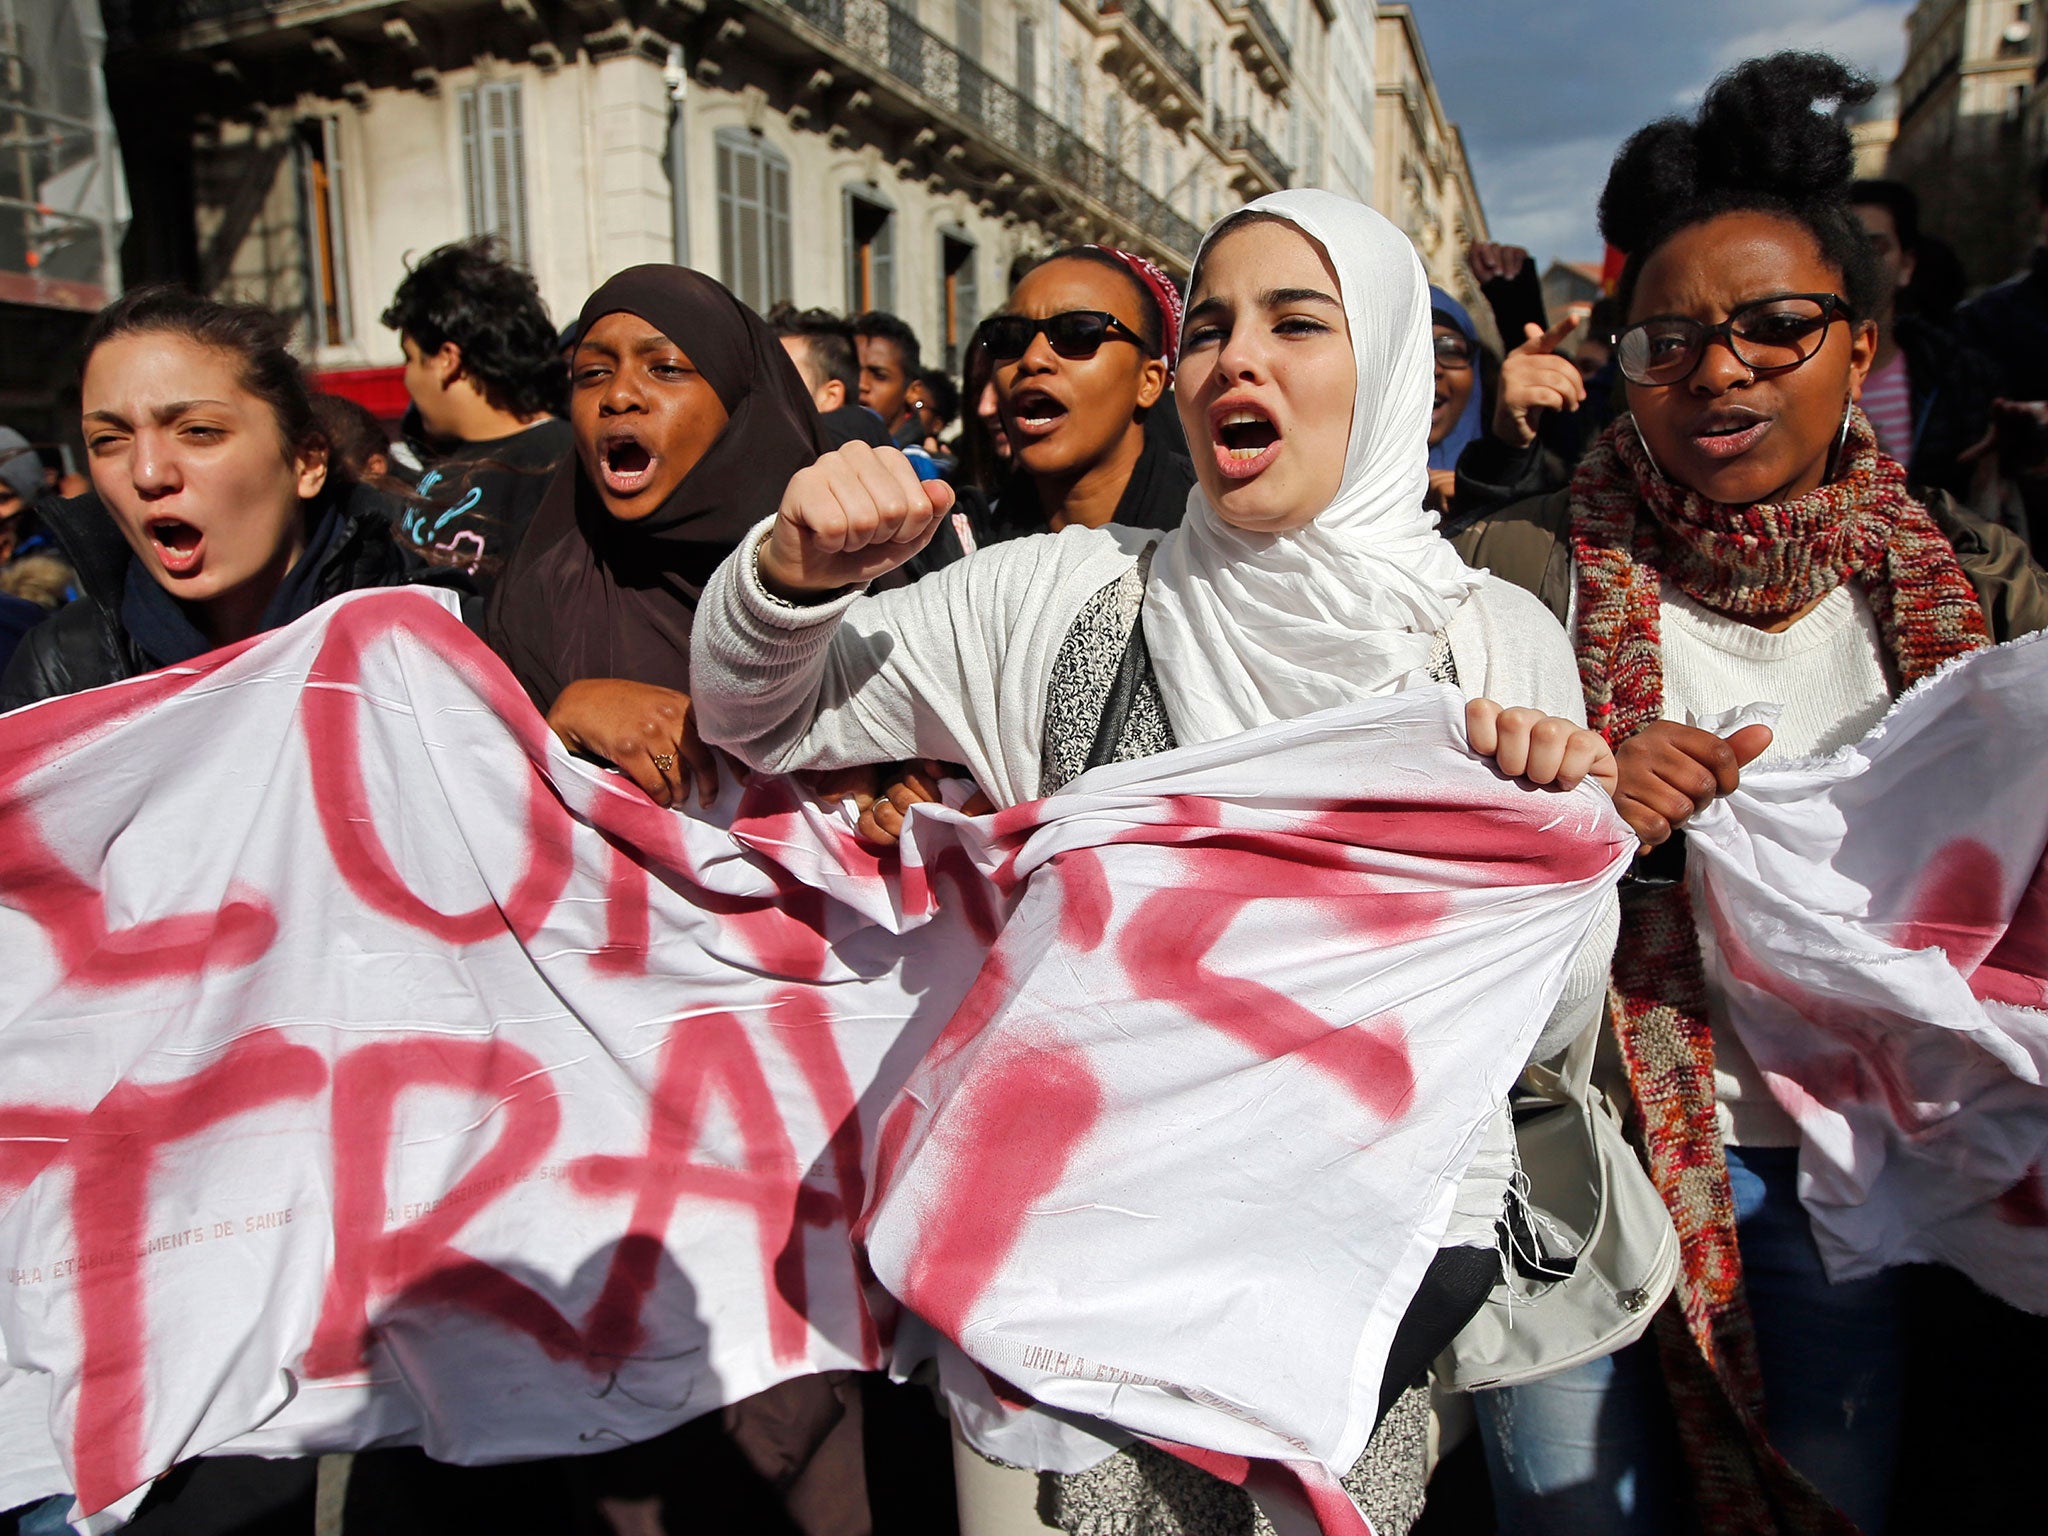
(1453, 352)
(1074, 334)
(1767, 336)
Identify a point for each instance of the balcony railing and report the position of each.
(1275, 40)
(936, 76)
(1157, 31)
(1237, 134)
(895, 44)
(161, 16)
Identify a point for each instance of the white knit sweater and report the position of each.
(1831, 673)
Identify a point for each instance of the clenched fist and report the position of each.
(856, 514)
(1670, 772)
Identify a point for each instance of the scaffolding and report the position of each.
(63, 204)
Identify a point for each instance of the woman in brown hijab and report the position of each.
(689, 420)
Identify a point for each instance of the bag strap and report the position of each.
(1131, 670)
(1575, 1068)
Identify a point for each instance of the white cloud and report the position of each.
(1547, 94)
(1870, 34)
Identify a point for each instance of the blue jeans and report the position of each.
(1594, 1452)
(46, 1518)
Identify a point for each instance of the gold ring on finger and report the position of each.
(664, 761)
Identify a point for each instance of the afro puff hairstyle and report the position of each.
(1769, 138)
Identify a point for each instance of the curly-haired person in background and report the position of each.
(488, 382)
(1739, 536)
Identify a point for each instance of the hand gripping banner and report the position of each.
(1878, 923)
(372, 1072)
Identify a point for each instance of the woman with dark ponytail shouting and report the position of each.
(1737, 536)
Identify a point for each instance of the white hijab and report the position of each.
(1247, 628)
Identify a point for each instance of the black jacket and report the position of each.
(1156, 495)
(2009, 325)
(86, 645)
(1952, 388)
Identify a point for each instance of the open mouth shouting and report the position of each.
(1728, 431)
(625, 462)
(1037, 414)
(179, 546)
(1245, 437)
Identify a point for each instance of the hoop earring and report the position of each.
(1646, 448)
(1841, 440)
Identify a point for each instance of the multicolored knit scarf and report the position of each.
(1762, 561)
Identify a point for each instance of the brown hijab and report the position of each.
(586, 595)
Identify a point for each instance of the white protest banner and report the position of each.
(373, 1072)
(1878, 923)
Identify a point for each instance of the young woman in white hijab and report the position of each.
(1305, 575)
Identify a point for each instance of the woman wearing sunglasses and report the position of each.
(1306, 574)
(1080, 362)
(1736, 537)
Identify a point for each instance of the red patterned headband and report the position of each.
(1163, 291)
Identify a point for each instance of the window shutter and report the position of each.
(775, 173)
(966, 305)
(1027, 58)
(473, 164)
(494, 164)
(753, 219)
(885, 263)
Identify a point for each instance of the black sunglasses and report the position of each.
(1074, 333)
(1768, 336)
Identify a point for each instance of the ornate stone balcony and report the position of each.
(978, 127)
(1255, 168)
(1261, 44)
(861, 70)
(1155, 64)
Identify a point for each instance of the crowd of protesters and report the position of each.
(1144, 518)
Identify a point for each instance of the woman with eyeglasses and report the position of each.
(1081, 361)
(1458, 407)
(1306, 574)
(1737, 536)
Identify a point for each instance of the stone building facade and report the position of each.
(893, 154)
(1968, 128)
(1423, 182)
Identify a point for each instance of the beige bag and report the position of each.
(1593, 1254)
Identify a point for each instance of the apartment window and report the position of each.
(1070, 93)
(959, 297)
(494, 165)
(327, 301)
(967, 28)
(1027, 58)
(1113, 129)
(753, 219)
(870, 254)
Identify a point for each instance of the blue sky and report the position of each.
(1546, 90)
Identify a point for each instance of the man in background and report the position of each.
(1928, 396)
(489, 384)
(889, 359)
(821, 345)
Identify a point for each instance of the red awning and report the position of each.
(381, 389)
